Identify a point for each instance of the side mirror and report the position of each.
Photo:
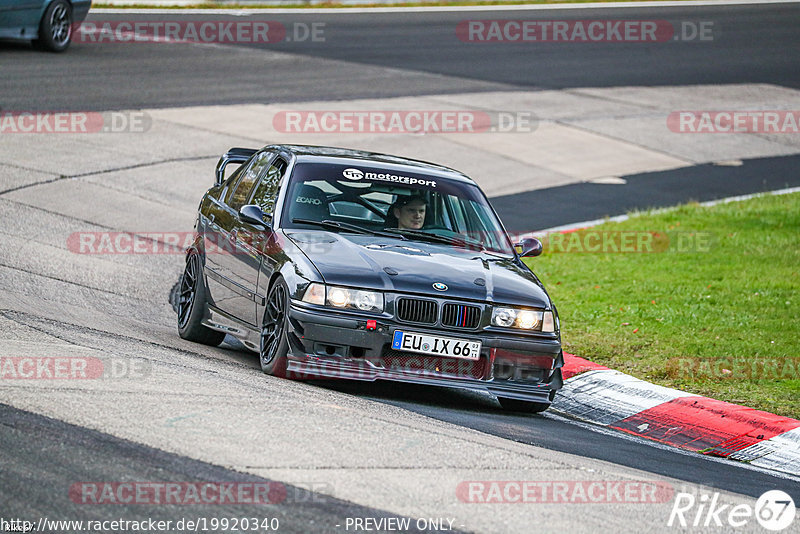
(252, 214)
(530, 247)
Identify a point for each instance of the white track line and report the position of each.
(421, 9)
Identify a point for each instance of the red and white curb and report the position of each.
(609, 398)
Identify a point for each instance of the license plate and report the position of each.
(437, 346)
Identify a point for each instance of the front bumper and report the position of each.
(328, 344)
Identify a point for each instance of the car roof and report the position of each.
(347, 156)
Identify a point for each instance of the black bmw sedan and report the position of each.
(337, 263)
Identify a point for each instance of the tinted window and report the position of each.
(267, 189)
(248, 178)
(374, 197)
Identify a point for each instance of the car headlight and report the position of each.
(504, 316)
(344, 297)
(527, 319)
(338, 297)
(522, 319)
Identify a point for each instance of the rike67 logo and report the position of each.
(774, 511)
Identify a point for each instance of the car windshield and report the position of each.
(417, 207)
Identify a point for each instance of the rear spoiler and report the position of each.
(234, 155)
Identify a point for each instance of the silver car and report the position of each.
(48, 24)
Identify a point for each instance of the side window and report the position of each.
(267, 190)
(248, 178)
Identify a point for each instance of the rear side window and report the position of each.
(248, 178)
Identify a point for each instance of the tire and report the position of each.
(274, 326)
(192, 305)
(55, 28)
(514, 405)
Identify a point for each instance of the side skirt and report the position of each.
(217, 319)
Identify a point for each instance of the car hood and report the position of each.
(388, 264)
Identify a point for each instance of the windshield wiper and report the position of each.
(346, 226)
(436, 238)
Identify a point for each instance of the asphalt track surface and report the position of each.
(398, 55)
(75, 453)
(556, 433)
(580, 202)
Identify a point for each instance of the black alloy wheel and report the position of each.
(274, 341)
(192, 304)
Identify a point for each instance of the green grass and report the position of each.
(698, 321)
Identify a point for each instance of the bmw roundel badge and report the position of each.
(438, 286)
